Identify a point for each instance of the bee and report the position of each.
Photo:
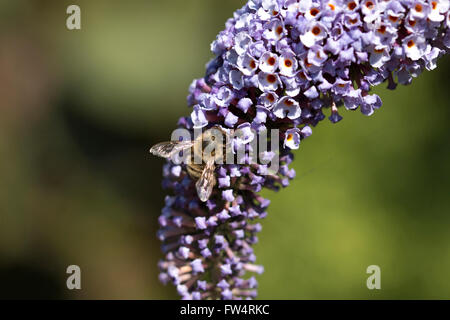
(210, 146)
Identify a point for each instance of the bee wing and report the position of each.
(207, 181)
(169, 148)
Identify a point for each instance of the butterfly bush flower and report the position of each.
(286, 65)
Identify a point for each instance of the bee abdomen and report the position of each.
(195, 170)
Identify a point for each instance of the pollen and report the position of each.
(353, 21)
(288, 63)
(289, 103)
(370, 5)
(412, 23)
(410, 44)
(351, 5)
(271, 61)
(434, 5)
(307, 64)
(253, 64)
(271, 78)
(382, 29)
(418, 8)
(290, 137)
(332, 7)
(270, 97)
(393, 19)
(279, 30)
(314, 12)
(378, 50)
(316, 31)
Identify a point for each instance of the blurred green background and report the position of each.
(79, 110)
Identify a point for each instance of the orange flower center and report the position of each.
(382, 29)
(307, 64)
(315, 31)
(279, 30)
(271, 78)
(288, 63)
(351, 5)
(393, 19)
(410, 44)
(418, 8)
(314, 11)
(271, 61)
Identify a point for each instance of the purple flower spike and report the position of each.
(280, 64)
